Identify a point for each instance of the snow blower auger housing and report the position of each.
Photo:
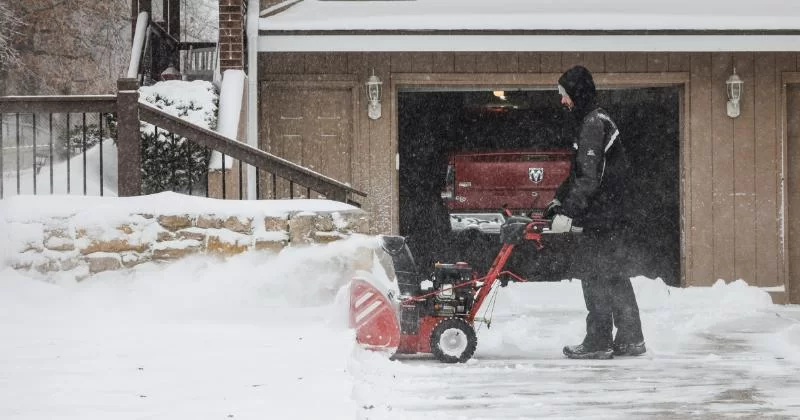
(437, 314)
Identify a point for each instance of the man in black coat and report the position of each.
(591, 205)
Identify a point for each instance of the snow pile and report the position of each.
(193, 101)
(670, 316)
(201, 338)
(109, 210)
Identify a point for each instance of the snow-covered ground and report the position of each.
(255, 337)
(265, 336)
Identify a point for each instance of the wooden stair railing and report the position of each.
(294, 173)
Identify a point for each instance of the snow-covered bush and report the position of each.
(170, 162)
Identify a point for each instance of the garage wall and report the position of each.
(731, 168)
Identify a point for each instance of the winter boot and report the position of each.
(581, 351)
(633, 349)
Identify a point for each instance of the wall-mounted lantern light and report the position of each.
(374, 96)
(735, 86)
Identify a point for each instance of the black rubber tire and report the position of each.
(461, 329)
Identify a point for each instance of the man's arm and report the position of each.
(588, 170)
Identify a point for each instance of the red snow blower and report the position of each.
(438, 314)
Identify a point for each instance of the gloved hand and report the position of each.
(563, 224)
(552, 208)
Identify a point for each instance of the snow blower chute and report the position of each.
(437, 314)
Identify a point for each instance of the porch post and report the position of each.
(129, 154)
(172, 8)
(139, 6)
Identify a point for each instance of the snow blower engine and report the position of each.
(437, 314)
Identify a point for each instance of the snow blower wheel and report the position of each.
(453, 340)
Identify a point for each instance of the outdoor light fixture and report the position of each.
(374, 96)
(734, 85)
(499, 93)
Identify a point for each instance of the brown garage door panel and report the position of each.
(793, 192)
(312, 127)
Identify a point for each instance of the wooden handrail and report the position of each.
(58, 104)
(263, 160)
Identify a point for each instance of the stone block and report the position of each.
(327, 237)
(324, 223)
(219, 246)
(301, 227)
(57, 232)
(116, 245)
(67, 264)
(58, 243)
(276, 224)
(21, 264)
(267, 245)
(175, 222)
(173, 250)
(355, 221)
(238, 224)
(130, 259)
(164, 236)
(126, 229)
(196, 234)
(208, 222)
(103, 261)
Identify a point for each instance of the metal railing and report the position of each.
(47, 141)
(63, 145)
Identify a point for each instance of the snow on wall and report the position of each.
(87, 235)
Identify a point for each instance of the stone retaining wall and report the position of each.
(68, 243)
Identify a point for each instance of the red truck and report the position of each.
(480, 185)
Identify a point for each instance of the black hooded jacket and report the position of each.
(594, 194)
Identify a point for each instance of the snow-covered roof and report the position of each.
(420, 25)
(537, 15)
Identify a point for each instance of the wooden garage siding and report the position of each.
(731, 167)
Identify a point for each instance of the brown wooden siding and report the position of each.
(793, 161)
(765, 110)
(731, 187)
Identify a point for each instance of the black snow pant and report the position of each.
(602, 260)
(610, 301)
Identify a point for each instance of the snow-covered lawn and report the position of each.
(264, 336)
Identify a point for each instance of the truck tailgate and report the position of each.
(520, 180)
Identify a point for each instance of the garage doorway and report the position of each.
(435, 122)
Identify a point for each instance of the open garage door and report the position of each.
(438, 122)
